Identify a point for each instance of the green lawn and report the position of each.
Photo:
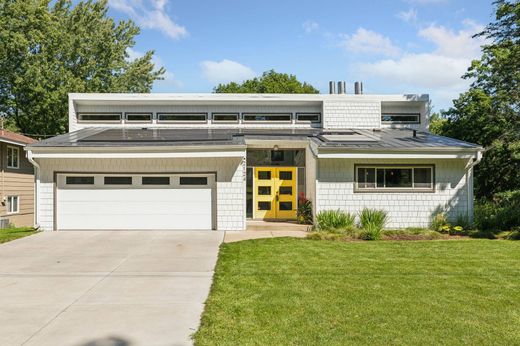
(303, 292)
(8, 234)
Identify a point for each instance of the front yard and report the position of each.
(302, 292)
(8, 234)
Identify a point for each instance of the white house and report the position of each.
(214, 161)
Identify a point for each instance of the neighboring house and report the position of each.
(17, 180)
(213, 161)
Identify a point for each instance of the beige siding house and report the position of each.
(16, 180)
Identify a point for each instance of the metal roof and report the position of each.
(353, 139)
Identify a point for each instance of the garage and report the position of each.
(135, 201)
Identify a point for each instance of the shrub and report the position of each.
(411, 233)
(335, 220)
(304, 211)
(499, 214)
(439, 223)
(372, 221)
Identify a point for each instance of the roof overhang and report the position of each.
(445, 153)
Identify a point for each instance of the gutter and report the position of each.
(36, 185)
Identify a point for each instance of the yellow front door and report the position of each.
(275, 193)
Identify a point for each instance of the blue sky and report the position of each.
(394, 46)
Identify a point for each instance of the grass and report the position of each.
(8, 234)
(300, 292)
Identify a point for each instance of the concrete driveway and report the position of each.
(103, 288)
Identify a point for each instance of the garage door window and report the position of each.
(79, 180)
(193, 181)
(156, 181)
(118, 180)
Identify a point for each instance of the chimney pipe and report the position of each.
(341, 87)
(361, 87)
(332, 87)
(357, 88)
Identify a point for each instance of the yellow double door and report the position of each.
(275, 193)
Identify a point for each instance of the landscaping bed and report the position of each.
(300, 292)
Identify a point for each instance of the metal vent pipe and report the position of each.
(341, 87)
(332, 87)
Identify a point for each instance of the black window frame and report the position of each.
(180, 114)
(265, 114)
(150, 114)
(192, 181)
(379, 189)
(121, 183)
(400, 114)
(118, 114)
(237, 115)
(308, 121)
(69, 180)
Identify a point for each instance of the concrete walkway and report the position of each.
(105, 288)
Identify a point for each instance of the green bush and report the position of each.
(335, 220)
(372, 222)
(304, 211)
(502, 213)
(439, 223)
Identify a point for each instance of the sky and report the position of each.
(393, 46)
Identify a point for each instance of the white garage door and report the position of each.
(135, 202)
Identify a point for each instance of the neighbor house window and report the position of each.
(13, 157)
(401, 118)
(268, 117)
(138, 117)
(100, 117)
(182, 117)
(390, 178)
(225, 117)
(308, 117)
(13, 204)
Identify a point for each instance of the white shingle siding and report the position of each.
(351, 114)
(230, 182)
(335, 190)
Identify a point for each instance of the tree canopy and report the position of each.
(489, 112)
(49, 49)
(271, 82)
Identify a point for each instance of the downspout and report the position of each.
(36, 185)
(469, 184)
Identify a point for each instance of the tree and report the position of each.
(271, 82)
(489, 112)
(47, 51)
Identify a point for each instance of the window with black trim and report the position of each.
(13, 157)
(138, 117)
(193, 180)
(308, 117)
(183, 117)
(267, 117)
(225, 117)
(79, 180)
(391, 178)
(401, 118)
(118, 180)
(155, 181)
(100, 117)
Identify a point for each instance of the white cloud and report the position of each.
(366, 41)
(225, 71)
(409, 16)
(150, 14)
(310, 26)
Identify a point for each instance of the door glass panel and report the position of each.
(285, 175)
(155, 181)
(264, 205)
(285, 205)
(193, 181)
(286, 190)
(118, 180)
(264, 175)
(264, 190)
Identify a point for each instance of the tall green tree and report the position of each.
(271, 82)
(489, 112)
(49, 49)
